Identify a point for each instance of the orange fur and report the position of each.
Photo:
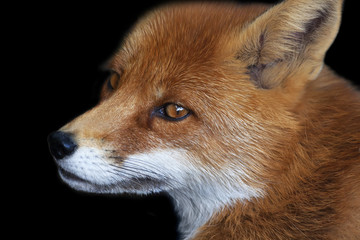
(317, 195)
(253, 78)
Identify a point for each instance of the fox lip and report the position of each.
(78, 183)
(82, 184)
(68, 176)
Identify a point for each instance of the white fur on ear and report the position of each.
(313, 75)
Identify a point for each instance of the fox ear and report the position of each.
(291, 36)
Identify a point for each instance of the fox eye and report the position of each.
(173, 112)
(113, 81)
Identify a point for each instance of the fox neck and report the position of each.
(193, 210)
(196, 205)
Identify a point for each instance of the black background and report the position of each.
(56, 75)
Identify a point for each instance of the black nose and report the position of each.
(61, 144)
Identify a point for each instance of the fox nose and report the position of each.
(61, 144)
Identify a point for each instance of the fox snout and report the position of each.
(61, 144)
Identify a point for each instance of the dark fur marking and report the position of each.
(301, 39)
(255, 72)
(311, 27)
(315, 23)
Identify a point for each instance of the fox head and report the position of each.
(199, 100)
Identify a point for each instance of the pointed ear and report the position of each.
(290, 38)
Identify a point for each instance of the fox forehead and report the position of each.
(187, 38)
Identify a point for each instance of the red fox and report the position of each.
(229, 109)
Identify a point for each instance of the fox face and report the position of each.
(199, 100)
(161, 112)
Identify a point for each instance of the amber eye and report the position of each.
(173, 112)
(113, 81)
